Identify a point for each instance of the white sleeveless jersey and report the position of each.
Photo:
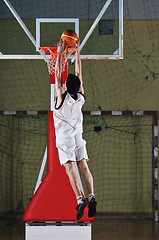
(68, 117)
(68, 120)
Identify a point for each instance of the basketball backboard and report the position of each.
(99, 27)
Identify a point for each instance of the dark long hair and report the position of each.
(73, 84)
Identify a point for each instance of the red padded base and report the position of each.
(54, 200)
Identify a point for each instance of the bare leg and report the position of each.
(89, 182)
(87, 174)
(74, 181)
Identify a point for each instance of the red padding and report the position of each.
(54, 200)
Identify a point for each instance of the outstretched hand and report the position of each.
(60, 47)
(77, 45)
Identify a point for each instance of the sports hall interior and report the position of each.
(120, 146)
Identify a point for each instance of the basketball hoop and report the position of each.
(51, 58)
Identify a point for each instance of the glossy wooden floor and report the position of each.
(103, 229)
(125, 229)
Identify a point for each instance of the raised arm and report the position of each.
(78, 67)
(58, 70)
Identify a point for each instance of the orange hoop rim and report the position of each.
(51, 61)
(54, 49)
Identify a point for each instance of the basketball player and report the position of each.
(68, 121)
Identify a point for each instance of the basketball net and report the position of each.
(51, 60)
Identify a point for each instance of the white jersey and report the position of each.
(68, 120)
(68, 116)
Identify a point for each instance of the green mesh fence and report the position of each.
(121, 161)
(120, 158)
(23, 142)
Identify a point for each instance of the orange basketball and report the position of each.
(70, 38)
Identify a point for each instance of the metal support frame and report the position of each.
(121, 29)
(39, 180)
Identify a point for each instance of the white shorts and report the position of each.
(71, 149)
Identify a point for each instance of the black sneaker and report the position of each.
(92, 207)
(80, 208)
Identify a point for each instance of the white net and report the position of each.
(51, 60)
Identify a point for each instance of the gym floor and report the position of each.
(103, 229)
